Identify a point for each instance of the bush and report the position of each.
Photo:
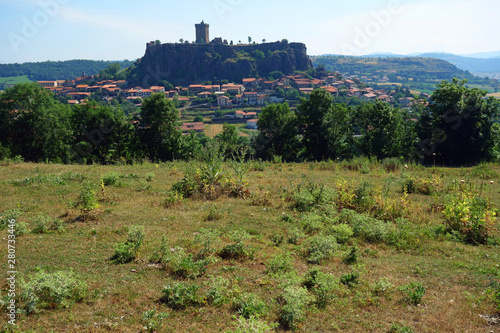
(470, 216)
(321, 285)
(342, 232)
(248, 304)
(217, 293)
(350, 279)
(152, 320)
(308, 196)
(237, 250)
(214, 214)
(253, 325)
(173, 199)
(9, 215)
(280, 263)
(162, 253)
(381, 287)
(181, 295)
(51, 291)
(370, 229)
(295, 300)
(392, 164)
(208, 239)
(87, 202)
(111, 179)
(312, 224)
(351, 256)
(413, 292)
(185, 266)
(44, 224)
(320, 247)
(127, 251)
(295, 235)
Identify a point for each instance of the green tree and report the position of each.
(159, 133)
(231, 140)
(198, 119)
(312, 112)
(461, 120)
(249, 40)
(33, 124)
(278, 135)
(338, 131)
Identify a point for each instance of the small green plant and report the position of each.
(150, 176)
(295, 235)
(208, 239)
(248, 304)
(237, 250)
(127, 251)
(381, 287)
(342, 232)
(350, 279)
(217, 294)
(153, 320)
(87, 202)
(320, 247)
(321, 285)
(312, 224)
(51, 291)
(111, 179)
(413, 292)
(295, 301)
(253, 325)
(173, 199)
(276, 239)
(8, 216)
(44, 224)
(185, 266)
(280, 263)
(162, 253)
(180, 295)
(214, 214)
(351, 256)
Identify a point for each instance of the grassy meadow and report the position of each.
(310, 247)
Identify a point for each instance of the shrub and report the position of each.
(295, 300)
(185, 266)
(44, 224)
(152, 320)
(280, 263)
(150, 176)
(350, 279)
(321, 285)
(208, 239)
(308, 196)
(342, 232)
(217, 293)
(413, 292)
(127, 251)
(370, 229)
(87, 202)
(395, 328)
(51, 291)
(277, 239)
(312, 224)
(9, 215)
(214, 214)
(237, 250)
(470, 216)
(111, 179)
(248, 304)
(392, 164)
(381, 287)
(253, 325)
(417, 185)
(320, 247)
(181, 295)
(162, 253)
(351, 256)
(295, 235)
(173, 199)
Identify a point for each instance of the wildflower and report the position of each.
(462, 181)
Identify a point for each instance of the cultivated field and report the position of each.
(313, 247)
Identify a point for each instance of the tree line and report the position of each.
(458, 127)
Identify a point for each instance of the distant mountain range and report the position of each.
(483, 64)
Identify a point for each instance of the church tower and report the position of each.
(202, 35)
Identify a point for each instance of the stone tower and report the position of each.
(202, 35)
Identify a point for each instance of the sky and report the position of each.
(41, 30)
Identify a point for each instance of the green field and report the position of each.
(318, 247)
(14, 80)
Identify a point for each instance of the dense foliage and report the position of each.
(456, 128)
(57, 70)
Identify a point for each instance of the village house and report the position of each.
(196, 127)
(224, 101)
(252, 124)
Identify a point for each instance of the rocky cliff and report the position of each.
(183, 64)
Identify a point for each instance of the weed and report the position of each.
(111, 179)
(413, 292)
(351, 256)
(320, 247)
(217, 294)
(277, 239)
(381, 287)
(127, 251)
(180, 295)
(295, 235)
(208, 239)
(173, 199)
(312, 224)
(342, 232)
(87, 203)
(51, 291)
(253, 325)
(44, 224)
(295, 301)
(395, 328)
(39, 179)
(214, 214)
(391, 164)
(248, 304)
(280, 263)
(162, 253)
(150, 176)
(321, 285)
(237, 250)
(350, 279)
(152, 320)
(185, 265)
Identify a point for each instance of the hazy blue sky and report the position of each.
(34, 30)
